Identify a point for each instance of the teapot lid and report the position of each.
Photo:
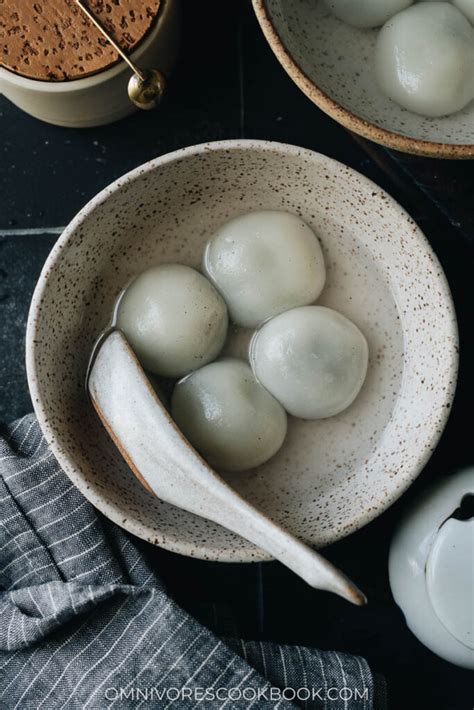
(431, 569)
(450, 578)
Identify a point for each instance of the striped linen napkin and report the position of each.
(86, 623)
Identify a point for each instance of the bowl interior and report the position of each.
(337, 59)
(331, 476)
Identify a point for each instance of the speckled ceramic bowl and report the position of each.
(332, 63)
(331, 476)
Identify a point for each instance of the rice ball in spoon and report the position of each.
(227, 416)
(366, 13)
(424, 59)
(312, 359)
(264, 263)
(173, 318)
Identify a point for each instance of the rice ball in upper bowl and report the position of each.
(173, 318)
(312, 359)
(264, 263)
(227, 416)
(424, 59)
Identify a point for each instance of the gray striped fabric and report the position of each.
(85, 623)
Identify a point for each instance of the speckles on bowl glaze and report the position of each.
(333, 64)
(331, 476)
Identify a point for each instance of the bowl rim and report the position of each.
(348, 119)
(169, 541)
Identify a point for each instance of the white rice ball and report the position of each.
(173, 318)
(264, 263)
(228, 417)
(312, 359)
(424, 59)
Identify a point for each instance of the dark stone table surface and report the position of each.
(228, 84)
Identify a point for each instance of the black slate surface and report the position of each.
(228, 84)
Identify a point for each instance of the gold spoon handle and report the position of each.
(136, 70)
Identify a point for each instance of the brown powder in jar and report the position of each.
(52, 40)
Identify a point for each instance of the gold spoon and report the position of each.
(146, 86)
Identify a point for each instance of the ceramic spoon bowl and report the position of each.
(332, 63)
(331, 476)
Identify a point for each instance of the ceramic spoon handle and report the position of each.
(168, 466)
(235, 513)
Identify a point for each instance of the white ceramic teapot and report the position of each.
(431, 569)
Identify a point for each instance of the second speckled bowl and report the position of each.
(332, 63)
(331, 476)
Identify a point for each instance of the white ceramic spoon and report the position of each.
(170, 468)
